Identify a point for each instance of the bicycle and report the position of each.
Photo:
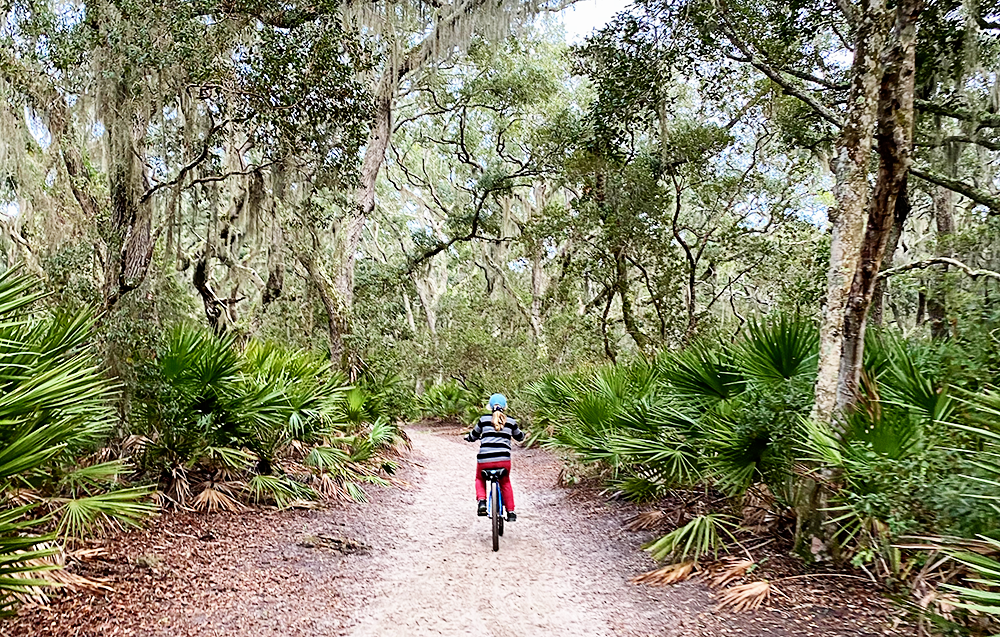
(494, 503)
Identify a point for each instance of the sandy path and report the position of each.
(563, 568)
(442, 578)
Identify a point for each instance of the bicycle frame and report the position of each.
(490, 486)
(492, 477)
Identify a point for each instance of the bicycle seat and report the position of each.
(494, 474)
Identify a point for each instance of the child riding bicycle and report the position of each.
(495, 430)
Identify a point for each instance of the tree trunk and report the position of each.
(537, 291)
(333, 314)
(851, 191)
(214, 308)
(408, 307)
(353, 226)
(856, 253)
(428, 300)
(129, 237)
(276, 250)
(628, 315)
(944, 218)
(902, 213)
(895, 145)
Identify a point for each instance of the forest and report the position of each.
(741, 254)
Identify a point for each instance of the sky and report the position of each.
(586, 15)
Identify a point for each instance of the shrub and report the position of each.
(451, 402)
(55, 411)
(261, 423)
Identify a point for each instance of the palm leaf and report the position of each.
(781, 348)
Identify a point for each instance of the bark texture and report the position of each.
(903, 208)
(852, 193)
(894, 146)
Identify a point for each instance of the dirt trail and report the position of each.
(441, 577)
(563, 568)
(426, 568)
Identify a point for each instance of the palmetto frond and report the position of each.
(55, 405)
(903, 383)
(701, 536)
(668, 460)
(282, 491)
(98, 514)
(449, 401)
(780, 348)
(325, 458)
(704, 375)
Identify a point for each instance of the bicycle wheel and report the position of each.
(495, 496)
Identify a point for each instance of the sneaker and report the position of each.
(481, 511)
(511, 516)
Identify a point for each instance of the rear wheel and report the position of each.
(497, 522)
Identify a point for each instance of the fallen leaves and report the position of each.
(645, 521)
(745, 596)
(667, 575)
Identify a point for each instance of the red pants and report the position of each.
(505, 489)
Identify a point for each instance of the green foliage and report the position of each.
(704, 375)
(985, 596)
(23, 554)
(735, 417)
(55, 410)
(451, 402)
(262, 416)
(725, 414)
(702, 536)
(781, 348)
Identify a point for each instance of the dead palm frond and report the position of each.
(178, 487)
(23, 497)
(56, 575)
(645, 521)
(75, 582)
(218, 496)
(667, 575)
(721, 574)
(746, 596)
(86, 554)
(760, 509)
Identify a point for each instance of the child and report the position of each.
(495, 430)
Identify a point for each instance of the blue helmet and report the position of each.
(498, 401)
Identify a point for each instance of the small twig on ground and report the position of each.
(807, 575)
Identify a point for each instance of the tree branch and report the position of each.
(982, 119)
(775, 76)
(981, 197)
(202, 156)
(926, 263)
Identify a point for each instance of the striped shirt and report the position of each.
(495, 446)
